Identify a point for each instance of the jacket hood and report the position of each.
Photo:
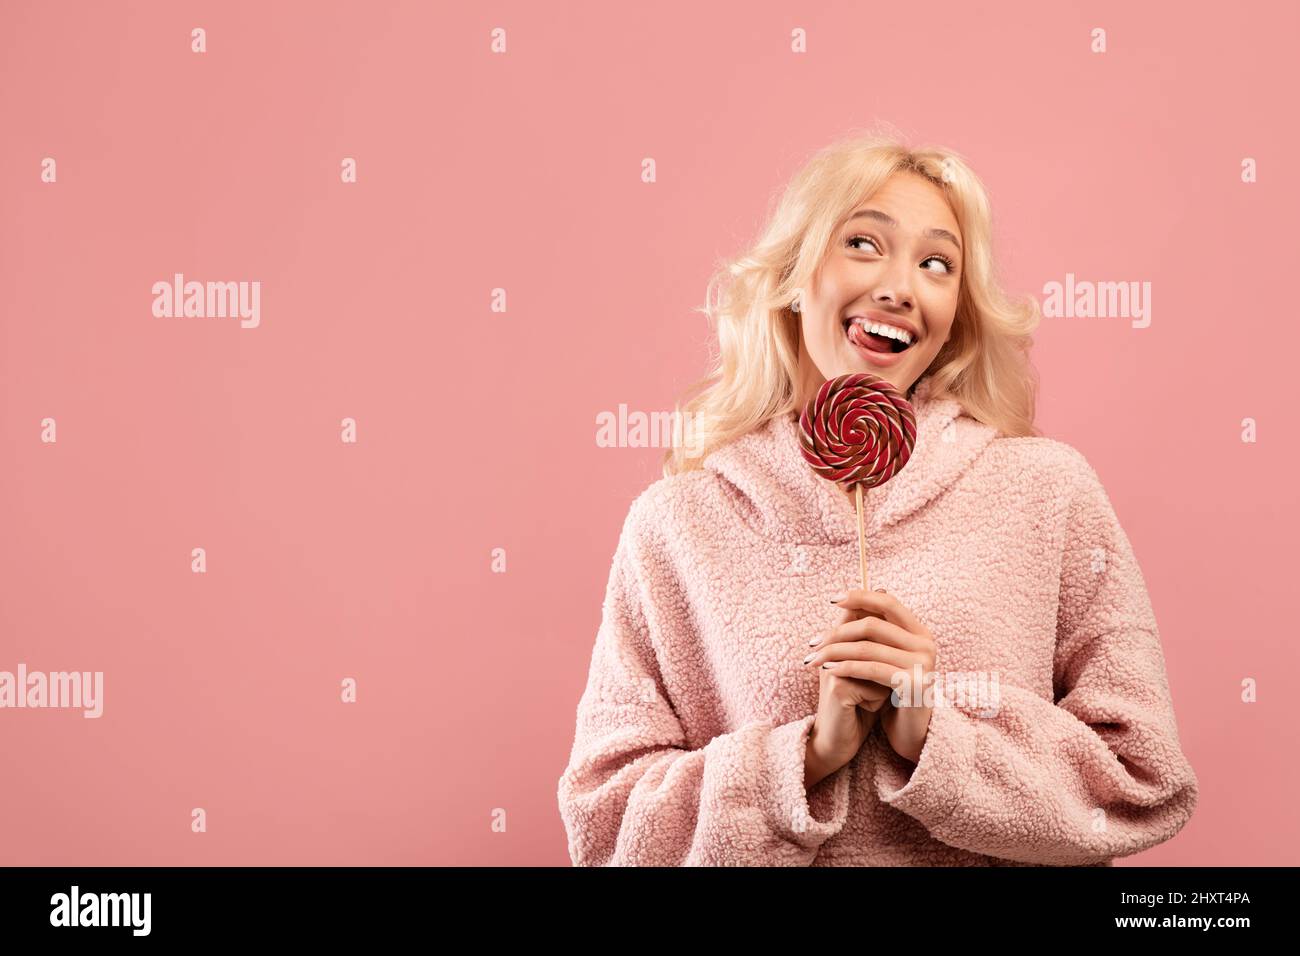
(782, 498)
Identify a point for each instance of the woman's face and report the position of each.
(896, 261)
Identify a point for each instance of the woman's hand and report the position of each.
(846, 711)
(882, 643)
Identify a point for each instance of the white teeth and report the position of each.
(888, 331)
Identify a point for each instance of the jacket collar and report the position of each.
(782, 498)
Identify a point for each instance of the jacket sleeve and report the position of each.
(1097, 773)
(633, 794)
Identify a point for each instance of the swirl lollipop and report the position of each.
(858, 431)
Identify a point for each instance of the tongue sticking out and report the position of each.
(869, 340)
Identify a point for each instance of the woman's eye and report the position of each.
(949, 265)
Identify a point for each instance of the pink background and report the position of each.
(477, 429)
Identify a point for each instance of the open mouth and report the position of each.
(877, 337)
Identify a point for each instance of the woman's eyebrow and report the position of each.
(893, 224)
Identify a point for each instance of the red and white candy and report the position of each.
(858, 430)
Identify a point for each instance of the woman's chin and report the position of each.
(893, 367)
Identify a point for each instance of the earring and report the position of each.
(794, 306)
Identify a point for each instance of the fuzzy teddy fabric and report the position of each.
(691, 731)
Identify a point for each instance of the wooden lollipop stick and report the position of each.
(862, 548)
(858, 429)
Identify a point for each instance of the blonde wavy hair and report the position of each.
(984, 364)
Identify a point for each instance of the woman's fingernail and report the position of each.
(838, 598)
(808, 658)
(814, 642)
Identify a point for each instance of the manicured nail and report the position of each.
(830, 664)
(808, 658)
(814, 642)
(838, 598)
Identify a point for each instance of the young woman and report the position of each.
(708, 734)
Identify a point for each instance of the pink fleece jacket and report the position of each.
(692, 729)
